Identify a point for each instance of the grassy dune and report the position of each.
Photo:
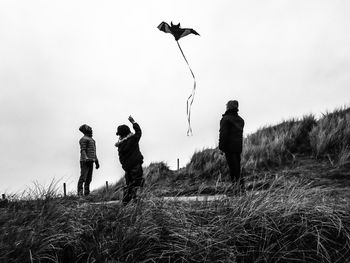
(288, 222)
(292, 210)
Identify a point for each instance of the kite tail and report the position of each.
(191, 97)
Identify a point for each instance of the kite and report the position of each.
(178, 33)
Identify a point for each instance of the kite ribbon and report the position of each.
(191, 97)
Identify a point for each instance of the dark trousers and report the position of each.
(134, 181)
(85, 178)
(234, 164)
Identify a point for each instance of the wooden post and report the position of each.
(64, 190)
(3, 196)
(178, 163)
(106, 186)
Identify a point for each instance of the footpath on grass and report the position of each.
(198, 198)
(315, 173)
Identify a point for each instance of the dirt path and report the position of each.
(198, 198)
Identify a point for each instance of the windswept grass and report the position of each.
(190, 180)
(290, 222)
(156, 173)
(331, 136)
(207, 164)
(279, 219)
(275, 145)
(268, 148)
(328, 137)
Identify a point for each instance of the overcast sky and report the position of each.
(65, 63)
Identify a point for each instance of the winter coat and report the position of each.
(129, 150)
(231, 132)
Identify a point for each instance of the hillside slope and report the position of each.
(314, 150)
(303, 214)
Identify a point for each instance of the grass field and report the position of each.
(296, 207)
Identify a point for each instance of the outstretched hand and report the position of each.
(131, 119)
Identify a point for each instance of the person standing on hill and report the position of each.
(87, 159)
(231, 141)
(130, 158)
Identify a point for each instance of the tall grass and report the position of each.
(157, 172)
(202, 175)
(327, 137)
(269, 147)
(290, 222)
(207, 164)
(275, 145)
(331, 136)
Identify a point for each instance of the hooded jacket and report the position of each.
(231, 132)
(129, 150)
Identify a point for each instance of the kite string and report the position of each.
(188, 106)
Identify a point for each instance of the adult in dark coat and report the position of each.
(231, 140)
(130, 158)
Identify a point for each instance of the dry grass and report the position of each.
(331, 137)
(276, 145)
(277, 220)
(289, 222)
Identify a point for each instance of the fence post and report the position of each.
(106, 186)
(3, 196)
(64, 190)
(178, 163)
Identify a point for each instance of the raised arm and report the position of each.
(136, 127)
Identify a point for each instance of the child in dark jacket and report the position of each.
(130, 158)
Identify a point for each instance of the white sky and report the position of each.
(65, 63)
